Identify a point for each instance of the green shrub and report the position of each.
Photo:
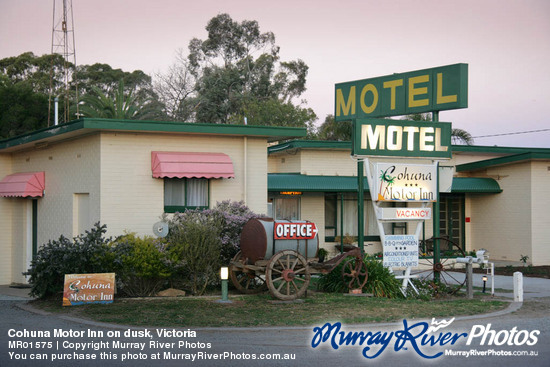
(380, 282)
(87, 253)
(194, 244)
(142, 265)
(229, 217)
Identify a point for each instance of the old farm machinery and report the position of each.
(280, 256)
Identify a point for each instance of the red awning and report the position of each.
(23, 184)
(189, 165)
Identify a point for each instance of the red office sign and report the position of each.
(294, 231)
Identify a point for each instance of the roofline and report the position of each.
(496, 149)
(346, 145)
(480, 165)
(310, 144)
(491, 185)
(86, 125)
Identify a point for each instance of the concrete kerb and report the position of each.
(512, 307)
(533, 287)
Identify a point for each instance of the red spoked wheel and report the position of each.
(287, 275)
(245, 280)
(354, 273)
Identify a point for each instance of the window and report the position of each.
(185, 193)
(331, 210)
(333, 217)
(451, 217)
(287, 208)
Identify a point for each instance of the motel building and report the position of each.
(491, 198)
(126, 174)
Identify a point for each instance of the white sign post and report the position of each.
(415, 183)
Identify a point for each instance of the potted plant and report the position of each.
(321, 254)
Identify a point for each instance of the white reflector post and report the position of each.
(518, 286)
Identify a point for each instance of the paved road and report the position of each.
(243, 343)
(528, 325)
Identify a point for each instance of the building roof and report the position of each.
(86, 126)
(516, 158)
(475, 184)
(304, 183)
(298, 182)
(346, 145)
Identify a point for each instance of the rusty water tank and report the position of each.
(258, 241)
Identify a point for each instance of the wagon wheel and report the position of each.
(245, 280)
(287, 275)
(354, 273)
(450, 281)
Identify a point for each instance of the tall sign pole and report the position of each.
(436, 214)
(360, 205)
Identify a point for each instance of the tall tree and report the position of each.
(25, 87)
(117, 104)
(176, 90)
(21, 109)
(107, 79)
(331, 130)
(34, 71)
(238, 74)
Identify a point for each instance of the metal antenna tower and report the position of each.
(63, 43)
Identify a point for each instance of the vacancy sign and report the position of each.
(400, 251)
(404, 214)
(295, 231)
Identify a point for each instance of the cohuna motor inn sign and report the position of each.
(405, 182)
(436, 89)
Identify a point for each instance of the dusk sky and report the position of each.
(506, 44)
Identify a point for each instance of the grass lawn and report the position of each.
(261, 310)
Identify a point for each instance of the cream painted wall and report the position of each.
(327, 163)
(132, 200)
(6, 208)
(501, 223)
(284, 163)
(114, 170)
(312, 208)
(540, 227)
(70, 167)
(256, 195)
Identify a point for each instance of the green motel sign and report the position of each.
(436, 89)
(401, 138)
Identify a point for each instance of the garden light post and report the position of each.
(224, 275)
(484, 282)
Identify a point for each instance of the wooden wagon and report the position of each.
(284, 264)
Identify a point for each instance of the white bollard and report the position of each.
(518, 286)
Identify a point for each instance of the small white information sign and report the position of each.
(400, 251)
